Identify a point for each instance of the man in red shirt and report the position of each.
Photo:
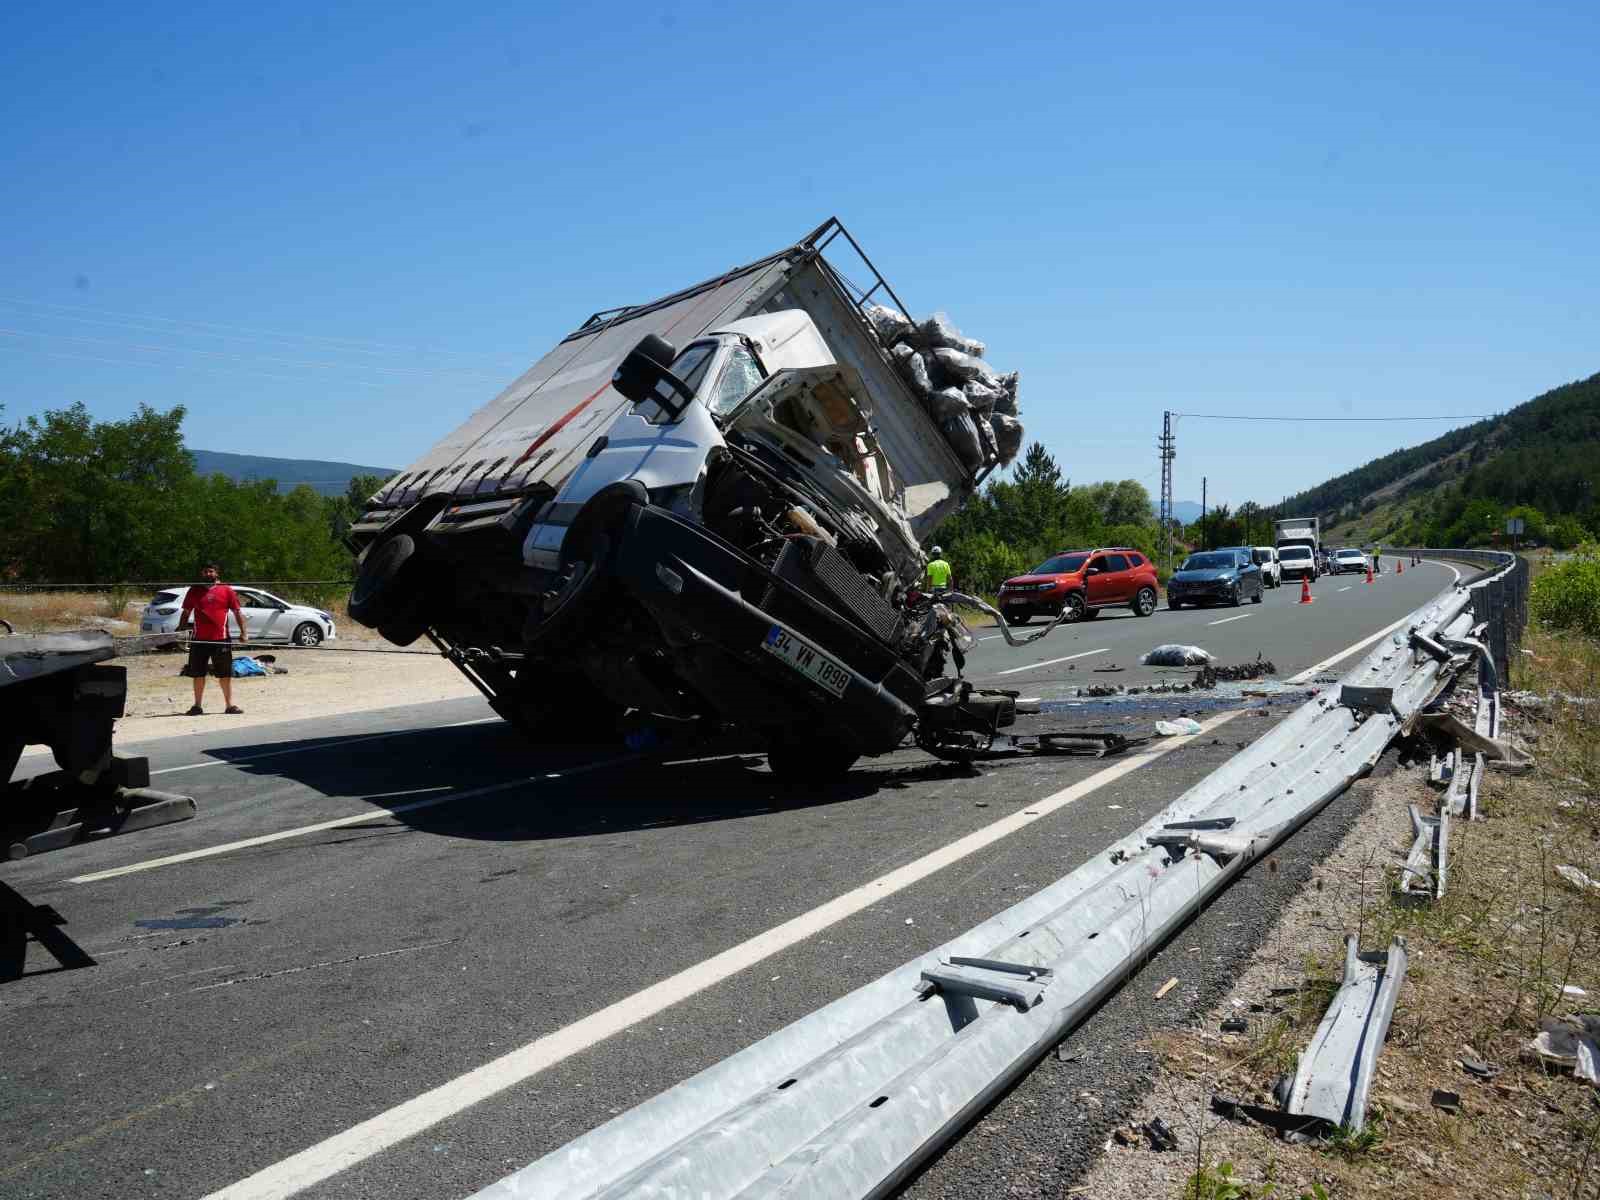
(209, 603)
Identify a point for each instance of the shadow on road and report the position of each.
(616, 791)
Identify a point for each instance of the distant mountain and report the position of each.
(1187, 511)
(327, 478)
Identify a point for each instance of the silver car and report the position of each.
(266, 617)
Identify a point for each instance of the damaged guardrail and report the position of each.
(848, 1101)
(1333, 1077)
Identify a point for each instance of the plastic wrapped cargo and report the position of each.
(1007, 436)
(981, 396)
(938, 332)
(986, 439)
(913, 369)
(1009, 406)
(956, 366)
(962, 435)
(948, 403)
(890, 324)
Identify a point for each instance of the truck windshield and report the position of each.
(1061, 564)
(1294, 552)
(740, 374)
(1210, 562)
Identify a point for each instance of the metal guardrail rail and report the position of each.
(848, 1101)
(1334, 1075)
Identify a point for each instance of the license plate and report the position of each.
(807, 659)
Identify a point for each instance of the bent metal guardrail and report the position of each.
(848, 1101)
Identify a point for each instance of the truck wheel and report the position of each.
(376, 597)
(808, 762)
(1144, 604)
(402, 630)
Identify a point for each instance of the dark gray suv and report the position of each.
(1225, 576)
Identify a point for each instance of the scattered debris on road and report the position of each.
(1179, 727)
(1166, 987)
(1209, 676)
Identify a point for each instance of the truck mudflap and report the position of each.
(757, 669)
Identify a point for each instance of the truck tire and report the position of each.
(377, 595)
(810, 762)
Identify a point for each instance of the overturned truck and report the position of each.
(707, 509)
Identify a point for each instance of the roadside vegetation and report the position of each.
(1014, 525)
(102, 502)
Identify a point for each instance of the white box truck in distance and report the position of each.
(1298, 540)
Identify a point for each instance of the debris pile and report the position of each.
(973, 404)
(1209, 676)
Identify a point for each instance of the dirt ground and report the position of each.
(1507, 945)
(349, 675)
(355, 672)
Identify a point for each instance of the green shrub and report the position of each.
(1568, 595)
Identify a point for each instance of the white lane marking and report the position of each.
(1364, 642)
(1225, 620)
(1345, 588)
(360, 1142)
(1050, 662)
(339, 744)
(375, 814)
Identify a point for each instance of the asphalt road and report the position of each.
(335, 980)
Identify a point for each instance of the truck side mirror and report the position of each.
(640, 375)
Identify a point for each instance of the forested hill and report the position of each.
(1543, 455)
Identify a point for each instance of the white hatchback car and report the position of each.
(266, 618)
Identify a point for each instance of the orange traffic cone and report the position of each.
(1369, 570)
(1399, 567)
(1305, 589)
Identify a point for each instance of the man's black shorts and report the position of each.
(218, 658)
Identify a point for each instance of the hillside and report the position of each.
(1542, 456)
(325, 478)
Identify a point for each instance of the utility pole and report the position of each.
(1166, 446)
(1205, 533)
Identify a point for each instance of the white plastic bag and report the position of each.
(1180, 727)
(890, 324)
(1174, 655)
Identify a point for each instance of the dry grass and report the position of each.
(1486, 964)
(48, 612)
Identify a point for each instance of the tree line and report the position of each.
(86, 501)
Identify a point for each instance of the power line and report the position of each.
(1237, 417)
(245, 329)
(252, 360)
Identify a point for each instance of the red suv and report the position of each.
(1080, 583)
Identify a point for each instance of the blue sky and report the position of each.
(334, 231)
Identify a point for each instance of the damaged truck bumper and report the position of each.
(756, 646)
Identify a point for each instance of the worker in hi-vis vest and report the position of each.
(938, 571)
